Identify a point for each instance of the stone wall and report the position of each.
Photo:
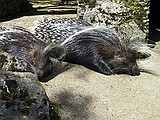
(131, 13)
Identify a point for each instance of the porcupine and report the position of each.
(31, 52)
(103, 50)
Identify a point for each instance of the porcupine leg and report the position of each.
(102, 67)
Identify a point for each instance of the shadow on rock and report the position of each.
(58, 68)
(74, 106)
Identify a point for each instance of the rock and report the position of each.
(116, 13)
(86, 95)
(21, 98)
(131, 31)
(11, 63)
(82, 94)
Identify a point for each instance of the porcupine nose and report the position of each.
(135, 70)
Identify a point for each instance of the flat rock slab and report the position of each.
(86, 95)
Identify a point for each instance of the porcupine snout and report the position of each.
(134, 70)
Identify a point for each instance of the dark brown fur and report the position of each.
(101, 50)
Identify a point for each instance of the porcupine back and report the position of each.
(56, 30)
(102, 50)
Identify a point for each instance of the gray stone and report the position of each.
(11, 63)
(83, 94)
(116, 13)
(21, 98)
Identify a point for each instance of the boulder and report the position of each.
(22, 98)
(116, 13)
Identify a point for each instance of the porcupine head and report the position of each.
(45, 60)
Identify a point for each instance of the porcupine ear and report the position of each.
(55, 51)
(118, 55)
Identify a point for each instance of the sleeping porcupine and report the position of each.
(100, 49)
(24, 46)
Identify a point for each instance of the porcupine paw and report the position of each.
(102, 67)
